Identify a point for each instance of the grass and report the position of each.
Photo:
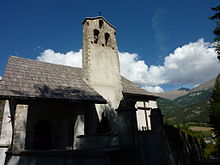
(199, 128)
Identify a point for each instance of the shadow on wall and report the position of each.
(1, 113)
(109, 120)
(152, 142)
(104, 125)
(167, 145)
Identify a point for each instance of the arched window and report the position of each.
(100, 23)
(106, 38)
(96, 36)
(42, 135)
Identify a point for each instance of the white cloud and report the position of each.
(0, 77)
(192, 63)
(136, 70)
(155, 89)
(70, 58)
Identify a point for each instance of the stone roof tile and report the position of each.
(36, 79)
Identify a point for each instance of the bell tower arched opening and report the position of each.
(96, 36)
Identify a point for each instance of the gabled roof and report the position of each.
(130, 88)
(25, 78)
(35, 79)
(98, 17)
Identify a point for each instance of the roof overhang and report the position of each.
(140, 97)
(98, 17)
(95, 101)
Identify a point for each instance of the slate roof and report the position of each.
(35, 79)
(25, 78)
(132, 89)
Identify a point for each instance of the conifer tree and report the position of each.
(215, 107)
(214, 111)
(216, 18)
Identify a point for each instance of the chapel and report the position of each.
(67, 115)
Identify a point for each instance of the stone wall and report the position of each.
(6, 124)
(1, 112)
(101, 62)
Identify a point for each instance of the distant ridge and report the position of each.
(179, 106)
(183, 89)
(205, 86)
(171, 95)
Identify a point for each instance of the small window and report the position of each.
(106, 38)
(100, 23)
(143, 116)
(96, 36)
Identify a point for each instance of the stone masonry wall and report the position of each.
(101, 63)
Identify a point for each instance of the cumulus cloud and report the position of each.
(193, 63)
(136, 70)
(155, 89)
(70, 58)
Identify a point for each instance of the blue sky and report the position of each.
(152, 29)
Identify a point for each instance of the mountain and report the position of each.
(171, 95)
(205, 86)
(185, 105)
(183, 89)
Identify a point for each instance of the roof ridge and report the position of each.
(28, 59)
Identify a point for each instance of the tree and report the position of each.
(214, 112)
(215, 107)
(216, 17)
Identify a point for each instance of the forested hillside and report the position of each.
(193, 106)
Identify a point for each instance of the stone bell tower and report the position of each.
(100, 59)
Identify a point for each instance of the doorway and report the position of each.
(42, 135)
